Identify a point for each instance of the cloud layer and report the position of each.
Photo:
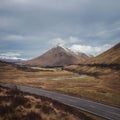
(34, 26)
(11, 55)
(73, 46)
(89, 49)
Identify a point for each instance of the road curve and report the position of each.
(105, 111)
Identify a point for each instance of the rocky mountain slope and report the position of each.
(57, 56)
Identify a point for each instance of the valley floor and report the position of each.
(88, 87)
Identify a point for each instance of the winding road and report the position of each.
(105, 111)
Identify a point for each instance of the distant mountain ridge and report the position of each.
(57, 56)
(14, 61)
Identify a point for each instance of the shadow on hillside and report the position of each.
(86, 69)
(111, 66)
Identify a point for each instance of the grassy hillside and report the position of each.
(105, 68)
(111, 56)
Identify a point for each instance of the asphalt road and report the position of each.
(105, 111)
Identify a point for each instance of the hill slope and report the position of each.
(57, 56)
(111, 56)
(105, 67)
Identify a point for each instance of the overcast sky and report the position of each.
(28, 28)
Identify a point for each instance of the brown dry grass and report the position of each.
(15, 105)
(104, 89)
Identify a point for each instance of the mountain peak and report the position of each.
(61, 48)
(57, 56)
(58, 47)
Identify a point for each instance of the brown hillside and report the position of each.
(57, 56)
(106, 67)
(111, 56)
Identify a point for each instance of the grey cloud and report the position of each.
(30, 24)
